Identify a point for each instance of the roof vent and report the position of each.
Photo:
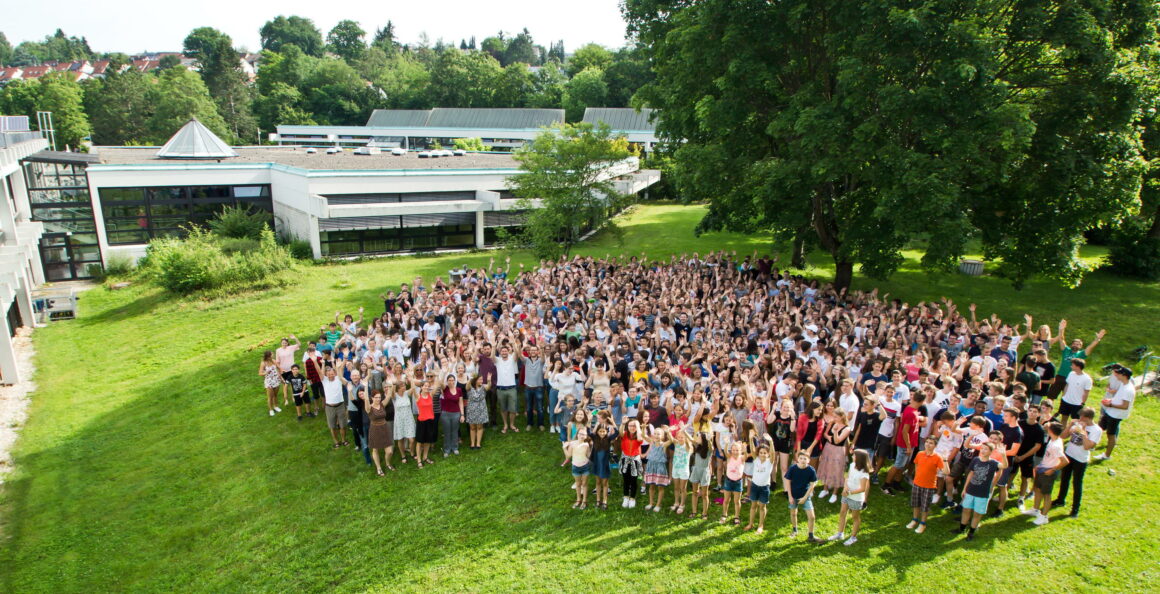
(195, 141)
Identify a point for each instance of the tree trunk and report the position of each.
(798, 259)
(1154, 232)
(843, 274)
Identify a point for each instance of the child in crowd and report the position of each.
(734, 473)
(579, 449)
(656, 472)
(802, 478)
(854, 496)
(759, 488)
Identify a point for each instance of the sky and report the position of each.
(135, 27)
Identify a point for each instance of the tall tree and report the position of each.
(588, 56)
(117, 106)
(384, 38)
(335, 94)
(548, 86)
(346, 40)
(464, 79)
(294, 29)
(6, 51)
(874, 122)
(282, 104)
(178, 96)
(556, 51)
(522, 48)
(586, 89)
(566, 169)
(401, 77)
(514, 86)
(628, 71)
(220, 67)
(496, 46)
(57, 92)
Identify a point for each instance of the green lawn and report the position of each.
(149, 464)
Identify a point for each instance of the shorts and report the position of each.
(507, 399)
(1110, 425)
(920, 497)
(808, 505)
(759, 494)
(882, 447)
(1005, 478)
(1045, 482)
(336, 416)
(1069, 410)
(732, 486)
(959, 468)
(1027, 468)
(303, 398)
(976, 504)
(581, 470)
(902, 458)
(852, 504)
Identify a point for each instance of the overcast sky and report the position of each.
(134, 27)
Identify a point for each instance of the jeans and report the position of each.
(450, 423)
(535, 406)
(1072, 473)
(553, 400)
(359, 425)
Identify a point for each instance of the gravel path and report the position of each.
(14, 399)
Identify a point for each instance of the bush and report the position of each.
(200, 262)
(119, 265)
(1133, 252)
(238, 245)
(300, 249)
(471, 144)
(240, 222)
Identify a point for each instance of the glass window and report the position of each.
(40, 213)
(157, 209)
(124, 210)
(380, 244)
(156, 194)
(209, 192)
(123, 237)
(122, 195)
(251, 191)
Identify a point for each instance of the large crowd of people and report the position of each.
(710, 383)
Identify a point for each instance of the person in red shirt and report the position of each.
(631, 438)
(905, 439)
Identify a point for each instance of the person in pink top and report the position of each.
(734, 471)
(284, 357)
(1045, 473)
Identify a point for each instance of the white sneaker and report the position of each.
(648, 508)
(934, 499)
(271, 413)
(833, 498)
(911, 525)
(836, 537)
(624, 502)
(631, 503)
(1039, 520)
(656, 508)
(851, 540)
(276, 409)
(823, 494)
(573, 487)
(1029, 511)
(1102, 457)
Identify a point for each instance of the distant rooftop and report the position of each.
(620, 118)
(455, 117)
(298, 157)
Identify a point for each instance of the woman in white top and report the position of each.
(854, 496)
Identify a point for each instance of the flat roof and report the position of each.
(298, 157)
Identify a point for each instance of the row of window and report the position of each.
(372, 241)
(136, 215)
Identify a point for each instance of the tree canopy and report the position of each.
(873, 123)
(565, 169)
(178, 96)
(294, 29)
(346, 40)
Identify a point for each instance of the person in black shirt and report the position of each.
(1033, 439)
(866, 425)
(1012, 440)
(298, 387)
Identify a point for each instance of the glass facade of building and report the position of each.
(58, 194)
(136, 215)
(406, 233)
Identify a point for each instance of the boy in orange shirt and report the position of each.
(927, 465)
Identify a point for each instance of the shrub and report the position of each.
(119, 265)
(200, 262)
(471, 144)
(300, 249)
(1133, 252)
(238, 245)
(240, 222)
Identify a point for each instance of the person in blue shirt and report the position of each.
(802, 477)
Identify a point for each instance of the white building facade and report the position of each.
(21, 269)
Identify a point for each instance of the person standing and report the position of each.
(801, 478)
(284, 356)
(299, 389)
(534, 387)
(334, 397)
(854, 496)
(356, 400)
(906, 440)
(506, 371)
(379, 436)
(271, 379)
(313, 367)
(1045, 473)
(487, 371)
(1012, 442)
(927, 465)
(451, 402)
(1081, 436)
(1117, 408)
(977, 487)
(476, 411)
(1077, 388)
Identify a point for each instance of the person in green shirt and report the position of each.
(1075, 350)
